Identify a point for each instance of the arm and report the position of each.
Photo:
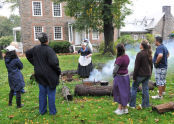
(159, 57)
(19, 64)
(29, 55)
(137, 65)
(116, 68)
(89, 55)
(168, 55)
(53, 61)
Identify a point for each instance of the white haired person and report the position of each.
(15, 77)
(85, 62)
(88, 44)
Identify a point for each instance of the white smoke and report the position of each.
(170, 46)
(106, 73)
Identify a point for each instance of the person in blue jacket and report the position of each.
(15, 77)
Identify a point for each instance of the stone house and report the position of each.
(45, 16)
(161, 25)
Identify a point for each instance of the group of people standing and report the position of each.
(47, 72)
(126, 96)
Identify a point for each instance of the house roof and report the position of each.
(133, 28)
(143, 25)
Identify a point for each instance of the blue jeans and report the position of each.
(43, 92)
(145, 90)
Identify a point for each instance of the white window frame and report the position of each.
(40, 7)
(61, 33)
(53, 10)
(94, 35)
(35, 32)
(70, 32)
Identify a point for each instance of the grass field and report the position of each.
(82, 109)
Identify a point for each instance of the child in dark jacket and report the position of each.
(15, 77)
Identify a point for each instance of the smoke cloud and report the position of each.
(106, 73)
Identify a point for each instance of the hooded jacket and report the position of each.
(15, 77)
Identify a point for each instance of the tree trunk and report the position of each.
(83, 90)
(164, 107)
(66, 94)
(108, 26)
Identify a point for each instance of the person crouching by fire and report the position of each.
(121, 84)
(85, 63)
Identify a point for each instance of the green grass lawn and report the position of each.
(82, 109)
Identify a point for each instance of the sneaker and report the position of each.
(125, 111)
(116, 110)
(157, 97)
(119, 112)
(130, 106)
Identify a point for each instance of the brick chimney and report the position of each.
(167, 10)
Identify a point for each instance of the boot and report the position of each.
(10, 97)
(18, 99)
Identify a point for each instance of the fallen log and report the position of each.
(164, 107)
(151, 86)
(69, 72)
(66, 94)
(83, 90)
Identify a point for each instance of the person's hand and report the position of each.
(156, 65)
(87, 56)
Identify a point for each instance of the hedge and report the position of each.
(60, 46)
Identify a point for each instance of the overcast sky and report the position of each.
(140, 8)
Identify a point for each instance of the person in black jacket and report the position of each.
(142, 73)
(47, 71)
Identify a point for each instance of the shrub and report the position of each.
(126, 39)
(150, 38)
(102, 47)
(5, 40)
(60, 47)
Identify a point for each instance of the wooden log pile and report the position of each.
(69, 72)
(95, 90)
(164, 107)
(151, 85)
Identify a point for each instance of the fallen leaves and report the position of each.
(11, 116)
(156, 120)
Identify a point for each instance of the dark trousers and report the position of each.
(43, 92)
(145, 91)
(18, 97)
